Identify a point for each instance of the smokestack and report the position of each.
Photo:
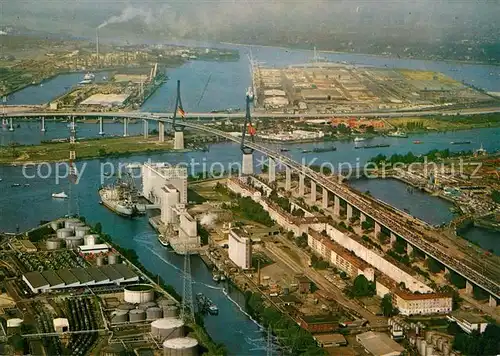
(97, 45)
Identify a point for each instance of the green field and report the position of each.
(105, 147)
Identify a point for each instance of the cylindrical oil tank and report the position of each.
(99, 261)
(71, 223)
(55, 225)
(90, 240)
(446, 350)
(139, 293)
(428, 337)
(81, 231)
(113, 350)
(126, 306)
(182, 346)
(119, 316)
(170, 311)
(429, 350)
(166, 302)
(423, 346)
(136, 315)
(53, 244)
(147, 305)
(64, 232)
(73, 241)
(167, 328)
(113, 259)
(154, 313)
(78, 224)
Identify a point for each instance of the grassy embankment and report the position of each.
(105, 147)
(446, 123)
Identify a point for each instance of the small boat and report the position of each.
(26, 184)
(460, 142)
(216, 277)
(284, 150)
(306, 151)
(400, 134)
(358, 139)
(163, 241)
(15, 185)
(61, 195)
(417, 142)
(325, 149)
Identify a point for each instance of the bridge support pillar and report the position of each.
(145, 128)
(161, 131)
(271, 170)
(101, 126)
(247, 164)
(394, 238)
(469, 288)
(301, 185)
(492, 302)
(43, 124)
(409, 249)
(349, 212)
(11, 125)
(362, 217)
(288, 179)
(324, 202)
(336, 206)
(179, 140)
(313, 191)
(125, 127)
(377, 228)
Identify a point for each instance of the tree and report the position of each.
(362, 287)
(433, 265)
(366, 225)
(98, 228)
(387, 307)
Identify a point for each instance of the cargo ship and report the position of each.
(120, 198)
(320, 150)
(460, 142)
(373, 146)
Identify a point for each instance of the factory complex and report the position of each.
(341, 88)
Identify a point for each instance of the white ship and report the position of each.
(112, 199)
(358, 139)
(88, 78)
(61, 195)
(398, 133)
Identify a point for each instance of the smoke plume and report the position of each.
(208, 220)
(131, 13)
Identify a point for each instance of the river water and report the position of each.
(24, 207)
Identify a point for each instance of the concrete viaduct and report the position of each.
(357, 204)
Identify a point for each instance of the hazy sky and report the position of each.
(215, 19)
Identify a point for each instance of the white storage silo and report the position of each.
(170, 311)
(73, 242)
(53, 244)
(429, 350)
(428, 337)
(440, 343)
(446, 349)
(90, 240)
(139, 293)
(81, 231)
(71, 223)
(183, 346)
(113, 259)
(167, 328)
(64, 232)
(136, 315)
(423, 346)
(154, 313)
(55, 225)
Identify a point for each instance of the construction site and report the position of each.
(322, 88)
(65, 290)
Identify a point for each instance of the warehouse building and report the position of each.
(379, 344)
(79, 277)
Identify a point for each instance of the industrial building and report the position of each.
(429, 303)
(240, 248)
(468, 321)
(330, 340)
(79, 277)
(155, 176)
(379, 344)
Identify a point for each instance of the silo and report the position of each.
(73, 242)
(166, 302)
(126, 306)
(53, 244)
(71, 223)
(446, 350)
(81, 231)
(64, 232)
(170, 311)
(90, 240)
(139, 293)
(423, 346)
(119, 316)
(182, 346)
(440, 343)
(429, 351)
(435, 339)
(99, 261)
(113, 259)
(78, 224)
(55, 225)
(154, 313)
(167, 328)
(428, 337)
(137, 315)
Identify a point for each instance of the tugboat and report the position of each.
(206, 305)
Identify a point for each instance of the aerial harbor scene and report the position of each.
(250, 178)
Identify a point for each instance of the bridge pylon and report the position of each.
(247, 160)
(178, 129)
